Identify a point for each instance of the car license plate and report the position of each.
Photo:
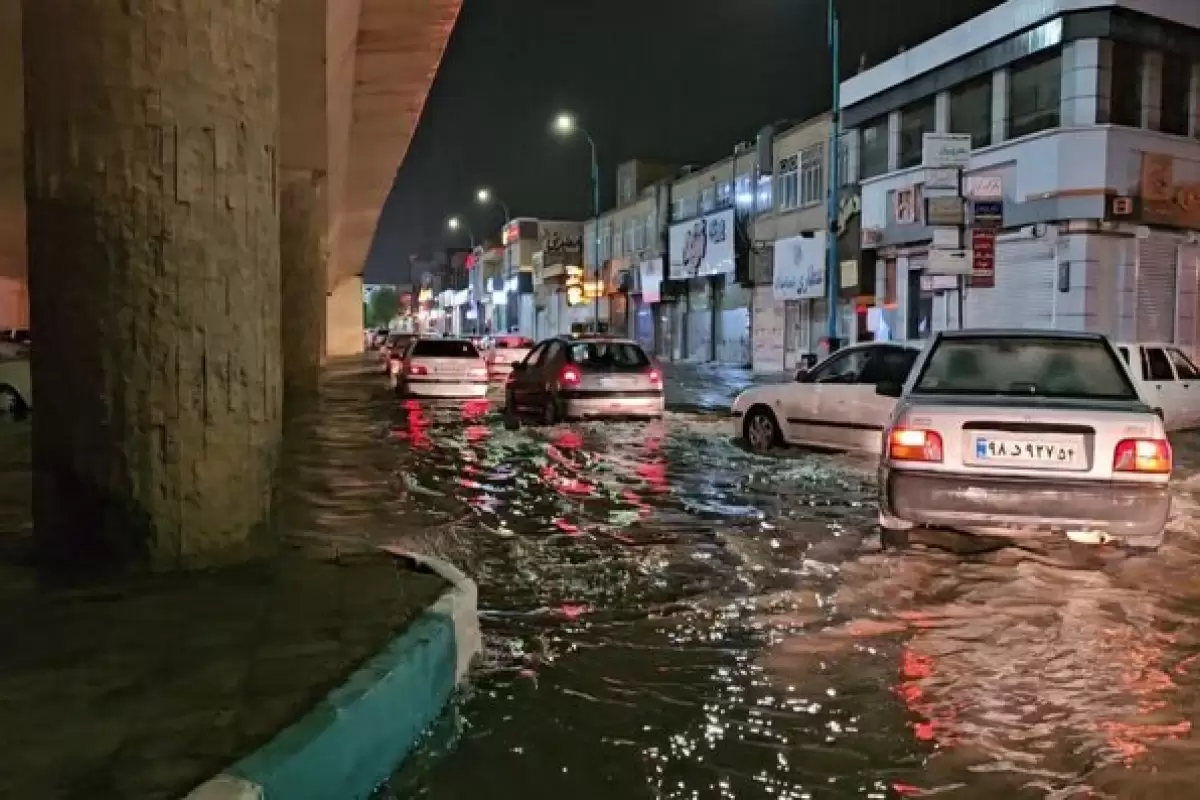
(1060, 453)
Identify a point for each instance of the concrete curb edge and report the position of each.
(346, 746)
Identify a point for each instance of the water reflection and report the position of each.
(668, 616)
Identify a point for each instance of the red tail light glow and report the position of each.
(909, 444)
(656, 378)
(417, 369)
(569, 377)
(1149, 456)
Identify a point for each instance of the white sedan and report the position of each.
(834, 405)
(1024, 433)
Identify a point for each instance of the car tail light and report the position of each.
(417, 369)
(569, 377)
(1143, 455)
(655, 378)
(910, 444)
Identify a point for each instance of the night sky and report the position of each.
(680, 81)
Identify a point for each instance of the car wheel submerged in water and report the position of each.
(761, 431)
(11, 403)
(550, 413)
(512, 420)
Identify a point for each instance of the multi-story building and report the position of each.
(559, 284)
(789, 311)
(1084, 125)
(707, 272)
(623, 256)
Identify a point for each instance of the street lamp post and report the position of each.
(485, 197)
(456, 224)
(565, 124)
(833, 278)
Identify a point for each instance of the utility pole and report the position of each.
(833, 278)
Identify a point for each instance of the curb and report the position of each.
(360, 733)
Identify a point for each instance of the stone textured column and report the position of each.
(153, 232)
(303, 256)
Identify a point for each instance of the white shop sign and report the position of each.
(949, 262)
(945, 150)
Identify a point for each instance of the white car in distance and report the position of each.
(446, 368)
(834, 405)
(1018, 434)
(1167, 379)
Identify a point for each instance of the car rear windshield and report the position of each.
(608, 355)
(444, 348)
(1025, 366)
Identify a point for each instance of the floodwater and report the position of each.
(669, 616)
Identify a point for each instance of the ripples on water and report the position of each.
(668, 616)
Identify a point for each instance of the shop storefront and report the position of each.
(646, 323)
(713, 319)
(798, 286)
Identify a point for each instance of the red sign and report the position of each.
(983, 258)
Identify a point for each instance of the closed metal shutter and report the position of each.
(769, 320)
(1157, 269)
(1185, 309)
(1026, 280)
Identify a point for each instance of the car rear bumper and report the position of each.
(444, 388)
(580, 406)
(972, 502)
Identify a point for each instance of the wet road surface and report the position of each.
(669, 616)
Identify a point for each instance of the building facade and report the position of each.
(789, 311)
(559, 284)
(706, 296)
(623, 255)
(1083, 119)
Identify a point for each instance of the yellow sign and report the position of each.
(1164, 200)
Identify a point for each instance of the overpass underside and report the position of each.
(200, 188)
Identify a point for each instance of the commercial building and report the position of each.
(789, 264)
(624, 246)
(1083, 119)
(708, 253)
(560, 288)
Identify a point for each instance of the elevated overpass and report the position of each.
(188, 191)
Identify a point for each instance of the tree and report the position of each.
(382, 307)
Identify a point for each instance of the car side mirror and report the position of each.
(518, 367)
(889, 389)
(802, 375)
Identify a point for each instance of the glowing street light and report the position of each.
(456, 224)
(485, 197)
(565, 124)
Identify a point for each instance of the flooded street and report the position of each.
(667, 615)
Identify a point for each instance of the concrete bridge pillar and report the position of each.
(303, 248)
(153, 233)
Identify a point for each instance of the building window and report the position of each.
(1126, 92)
(685, 207)
(1176, 94)
(765, 194)
(812, 174)
(743, 197)
(1034, 95)
(873, 154)
(707, 200)
(724, 195)
(916, 120)
(971, 111)
(787, 192)
(651, 229)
